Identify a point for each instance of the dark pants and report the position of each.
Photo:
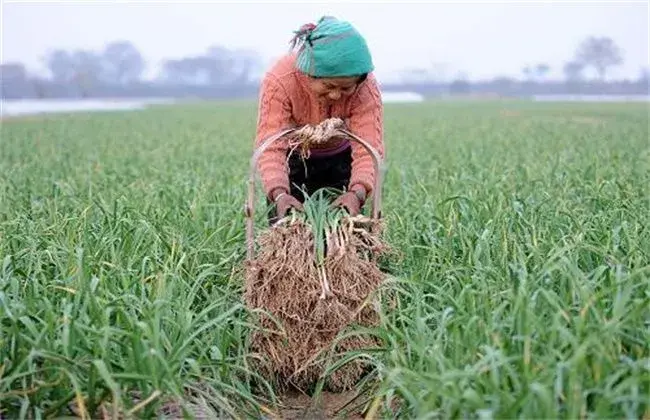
(309, 175)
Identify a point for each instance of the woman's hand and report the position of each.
(285, 201)
(352, 201)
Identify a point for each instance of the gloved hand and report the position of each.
(285, 201)
(352, 201)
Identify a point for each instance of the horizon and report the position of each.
(488, 40)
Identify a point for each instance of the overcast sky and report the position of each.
(481, 39)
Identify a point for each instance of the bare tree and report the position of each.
(61, 65)
(573, 71)
(528, 72)
(122, 63)
(599, 52)
(542, 69)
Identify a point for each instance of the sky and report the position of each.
(480, 39)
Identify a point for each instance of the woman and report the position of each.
(330, 75)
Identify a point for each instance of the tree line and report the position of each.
(118, 70)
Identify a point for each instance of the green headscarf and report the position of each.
(332, 48)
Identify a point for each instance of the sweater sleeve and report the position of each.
(274, 115)
(366, 121)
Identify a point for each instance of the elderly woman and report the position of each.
(327, 74)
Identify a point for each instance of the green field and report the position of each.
(523, 287)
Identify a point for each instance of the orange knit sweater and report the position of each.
(286, 101)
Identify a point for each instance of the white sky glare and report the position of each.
(480, 39)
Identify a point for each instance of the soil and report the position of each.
(295, 405)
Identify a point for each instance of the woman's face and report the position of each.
(334, 88)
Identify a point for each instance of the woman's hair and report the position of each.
(301, 36)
